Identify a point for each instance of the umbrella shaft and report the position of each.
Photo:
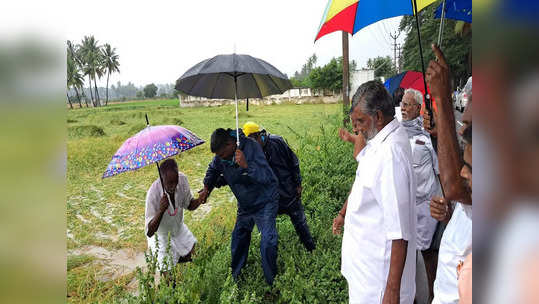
(236, 102)
(441, 25)
(427, 97)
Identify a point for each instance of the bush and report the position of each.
(117, 122)
(328, 170)
(85, 131)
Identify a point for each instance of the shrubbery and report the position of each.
(85, 131)
(328, 171)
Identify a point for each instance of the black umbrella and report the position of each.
(233, 76)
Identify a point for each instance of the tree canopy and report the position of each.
(150, 90)
(456, 47)
(382, 66)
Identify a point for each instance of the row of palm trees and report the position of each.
(91, 60)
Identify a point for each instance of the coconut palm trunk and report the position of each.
(78, 96)
(107, 100)
(91, 94)
(70, 104)
(96, 93)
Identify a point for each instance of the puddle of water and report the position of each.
(115, 263)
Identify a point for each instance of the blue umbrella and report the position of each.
(456, 10)
(453, 9)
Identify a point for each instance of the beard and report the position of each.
(370, 133)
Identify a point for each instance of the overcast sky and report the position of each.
(157, 41)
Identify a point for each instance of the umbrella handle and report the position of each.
(169, 202)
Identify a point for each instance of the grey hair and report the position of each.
(372, 96)
(418, 96)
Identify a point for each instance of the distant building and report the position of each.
(359, 77)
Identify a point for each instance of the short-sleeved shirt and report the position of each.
(181, 239)
(381, 208)
(456, 244)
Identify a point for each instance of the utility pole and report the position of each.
(345, 76)
(394, 37)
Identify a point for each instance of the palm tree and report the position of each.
(99, 71)
(74, 79)
(110, 64)
(89, 52)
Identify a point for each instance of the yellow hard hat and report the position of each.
(250, 128)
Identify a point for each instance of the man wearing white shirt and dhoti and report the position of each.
(164, 216)
(379, 242)
(425, 166)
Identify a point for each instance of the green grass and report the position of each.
(109, 213)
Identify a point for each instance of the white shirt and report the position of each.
(381, 208)
(181, 239)
(425, 166)
(456, 244)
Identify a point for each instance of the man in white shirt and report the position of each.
(425, 166)
(164, 215)
(378, 248)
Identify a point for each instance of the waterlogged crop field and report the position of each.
(105, 218)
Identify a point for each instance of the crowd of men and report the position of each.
(407, 219)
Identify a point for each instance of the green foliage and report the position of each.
(456, 48)
(150, 90)
(301, 79)
(382, 66)
(74, 261)
(329, 76)
(85, 131)
(117, 122)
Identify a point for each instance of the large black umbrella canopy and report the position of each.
(218, 77)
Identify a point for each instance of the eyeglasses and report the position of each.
(407, 105)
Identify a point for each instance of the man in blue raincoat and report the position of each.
(285, 165)
(245, 170)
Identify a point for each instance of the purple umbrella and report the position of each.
(151, 145)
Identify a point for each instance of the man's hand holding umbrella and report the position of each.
(239, 158)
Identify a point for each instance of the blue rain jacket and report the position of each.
(254, 186)
(285, 166)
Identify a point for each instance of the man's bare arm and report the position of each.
(449, 156)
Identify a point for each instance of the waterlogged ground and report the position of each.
(105, 218)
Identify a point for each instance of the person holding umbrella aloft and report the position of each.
(239, 161)
(168, 194)
(245, 170)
